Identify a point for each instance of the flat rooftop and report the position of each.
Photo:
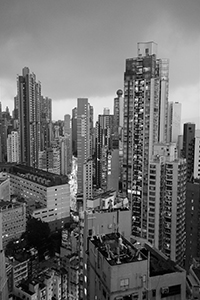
(117, 250)
(6, 205)
(38, 176)
(159, 263)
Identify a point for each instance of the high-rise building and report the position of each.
(192, 220)
(65, 155)
(49, 160)
(104, 131)
(83, 137)
(74, 131)
(118, 122)
(46, 122)
(3, 277)
(29, 95)
(87, 182)
(166, 202)
(145, 123)
(13, 147)
(188, 148)
(197, 154)
(66, 149)
(174, 122)
(67, 127)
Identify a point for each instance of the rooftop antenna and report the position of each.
(93, 233)
(118, 259)
(108, 251)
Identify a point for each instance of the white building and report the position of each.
(166, 201)
(174, 122)
(13, 147)
(49, 192)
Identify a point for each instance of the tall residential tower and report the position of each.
(29, 95)
(145, 123)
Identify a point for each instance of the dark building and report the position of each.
(74, 131)
(192, 217)
(46, 122)
(104, 131)
(188, 147)
(29, 95)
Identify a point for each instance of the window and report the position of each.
(124, 283)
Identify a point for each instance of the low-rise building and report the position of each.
(49, 284)
(119, 270)
(193, 280)
(50, 193)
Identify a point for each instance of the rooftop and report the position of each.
(39, 176)
(159, 263)
(116, 249)
(6, 205)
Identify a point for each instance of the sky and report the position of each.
(78, 48)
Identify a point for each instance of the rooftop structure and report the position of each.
(39, 176)
(116, 249)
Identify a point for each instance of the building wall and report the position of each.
(174, 122)
(166, 201)
(192, 222)
(13, 147)
(55, 200)
(197, 154)
(145, 90)
(188, 147)
(169, 281)
(83, 137)
(4, 187)
(29, 95)
(13, 221)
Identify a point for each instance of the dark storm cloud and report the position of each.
(78, 47)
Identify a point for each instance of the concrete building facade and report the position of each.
(13, 147)
(29, 95)
(145, 123)
(13, 218)
(46, 194)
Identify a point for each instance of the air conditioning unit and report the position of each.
(164, 290)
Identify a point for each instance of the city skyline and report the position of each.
(84, 61)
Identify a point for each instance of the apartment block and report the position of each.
(146, 81)
(166, 202)
(13, 218)
(47, 193)
(121, 270)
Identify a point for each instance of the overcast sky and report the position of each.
(77, 48)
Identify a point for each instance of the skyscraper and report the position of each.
(29, 95)
(74, 131)
(174, 122)
(188, 148)
(46, 122)
(13, 147)
(104, 130)
(145, 123)
(83, 137)
(166, 201)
